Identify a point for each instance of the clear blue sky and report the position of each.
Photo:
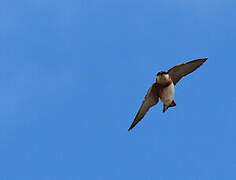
(74, 73)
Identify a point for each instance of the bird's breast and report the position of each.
(167, 94)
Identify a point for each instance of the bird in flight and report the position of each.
(164, 88)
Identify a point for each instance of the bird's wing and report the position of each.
(181, 70)
(150, 100)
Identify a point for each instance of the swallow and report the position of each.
(164, 88)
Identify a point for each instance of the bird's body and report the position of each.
(164, 88)
(167, 94)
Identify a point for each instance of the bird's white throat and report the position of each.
(163, 79)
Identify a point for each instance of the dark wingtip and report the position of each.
(133, 124)
(204, 59)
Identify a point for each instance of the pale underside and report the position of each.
(167, 94)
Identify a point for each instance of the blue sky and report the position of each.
(74, 73)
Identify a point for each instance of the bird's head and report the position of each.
(162, 78)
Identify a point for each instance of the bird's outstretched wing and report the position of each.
(150, 100)
(181, 70)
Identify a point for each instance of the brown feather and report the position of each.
(181, 70)
(150, 100)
